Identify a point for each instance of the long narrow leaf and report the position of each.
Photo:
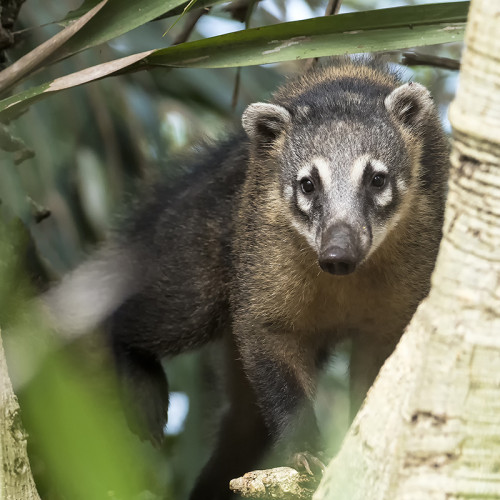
(115, 19)
(36, 58)
(381, 30)
(369, 31)
(11, 106)
(88, 4)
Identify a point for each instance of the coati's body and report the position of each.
(244, 249)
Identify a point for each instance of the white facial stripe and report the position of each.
(324, 171)
(379, 167)
(384, 198)
(358, 169)
(288, 192)
(304, 231)
(304, 203)
(304, 172)
(402, 187)
(359, 165)
(323, 168)
(381, 231)
(378, 236)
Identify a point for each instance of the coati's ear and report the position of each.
(410, 104)
(265, 122)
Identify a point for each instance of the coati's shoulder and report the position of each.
(200, 181)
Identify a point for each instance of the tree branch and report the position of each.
(282, 483)
(192, 18)
(16, 480)
(417, 59)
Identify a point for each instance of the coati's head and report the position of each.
(346, 142)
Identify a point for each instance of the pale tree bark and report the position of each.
(430, 427)
(16, 480)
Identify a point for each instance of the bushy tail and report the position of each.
(93, 291)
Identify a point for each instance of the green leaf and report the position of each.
(14, 105)
(37, 57)
(116, 18)
(72, 15)
(371, 31)
(89, 4)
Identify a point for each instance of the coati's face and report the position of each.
(347, 174)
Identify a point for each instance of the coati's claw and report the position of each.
(305, 461)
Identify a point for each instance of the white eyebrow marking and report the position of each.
(323, 168)
(304, 172)
(378, 166)
(324, 171)
(358, 169)
(359, 165)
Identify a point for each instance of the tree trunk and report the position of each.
(430, 427)
(16, 481)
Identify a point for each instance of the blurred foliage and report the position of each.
(93, 145)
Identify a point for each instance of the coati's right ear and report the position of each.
(410, 104)
(264, 122)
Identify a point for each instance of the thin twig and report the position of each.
(38, 211)
(176, 11)
(240, 9)
(417, 59)
(190, 23)
(332, 8)
(248, 7)
(236, 89)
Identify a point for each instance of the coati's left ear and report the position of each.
(265, 122)
(410, 104)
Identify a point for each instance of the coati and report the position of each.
(321, 219)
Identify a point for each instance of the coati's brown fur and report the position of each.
(323, 223)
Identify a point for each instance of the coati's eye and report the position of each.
(307, 185)
(378, 180)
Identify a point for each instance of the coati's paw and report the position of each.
(144, 390)
(305, 461)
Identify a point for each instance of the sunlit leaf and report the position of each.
(115, 19)
(88, 4)
(14, 104)
(36, 58)
(369, 31)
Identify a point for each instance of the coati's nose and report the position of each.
(340, 252)
(337, 260)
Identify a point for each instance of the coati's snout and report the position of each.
(340, 251)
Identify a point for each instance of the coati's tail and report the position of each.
(90, 295)
(93, 291)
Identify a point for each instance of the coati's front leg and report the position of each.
(368, 354)
(243, 437)
(270, 388)
(281, 368)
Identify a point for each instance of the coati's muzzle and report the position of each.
(341, 250)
